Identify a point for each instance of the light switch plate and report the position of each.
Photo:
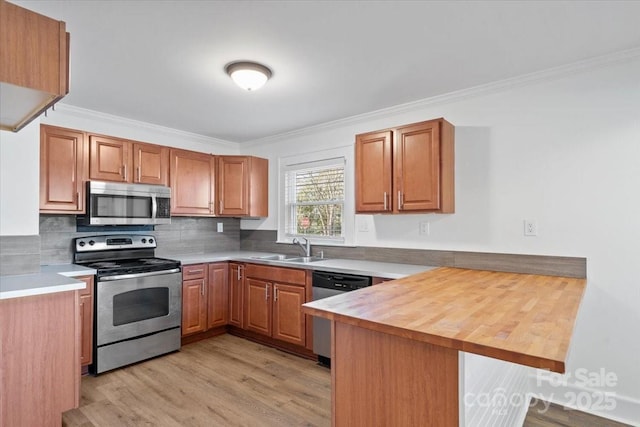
(220, 227)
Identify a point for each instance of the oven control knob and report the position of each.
(144, 240)
(91, 243)
(150, 240)
(82, 243)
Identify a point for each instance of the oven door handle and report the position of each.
(136, 275)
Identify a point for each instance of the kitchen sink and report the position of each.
(289, 258)
(272, 257)
(304, 259)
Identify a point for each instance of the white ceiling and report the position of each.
(163, 62)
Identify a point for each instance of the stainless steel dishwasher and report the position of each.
(326, 284)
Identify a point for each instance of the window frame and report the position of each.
(308, 161)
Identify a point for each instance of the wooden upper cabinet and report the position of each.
(243, 186)
(417, 167)
(63, 169)
(192, 183)
(373, 172)
(150, 164)
(121, 160)
(415, 172)
(34, 64)
(109, 159)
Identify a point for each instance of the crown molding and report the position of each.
(472, 92)
(84, 113)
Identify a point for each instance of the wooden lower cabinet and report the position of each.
(86, 321)
(39, 359)
(288, 321)
(258, 306)
(217, 294)
(204, 297)
(272, 305)
(236, 294)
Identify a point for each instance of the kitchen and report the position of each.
(558, 147)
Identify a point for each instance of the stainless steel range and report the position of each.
(138, 299)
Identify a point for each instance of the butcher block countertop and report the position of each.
(521, 318)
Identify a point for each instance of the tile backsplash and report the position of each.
(19, 254)
(185, 235)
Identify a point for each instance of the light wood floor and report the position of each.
(222, 381)
(229, 381)
(559, 416)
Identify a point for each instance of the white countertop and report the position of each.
(59, 277)
(385, 270)
(24, 285)
(52, 278)
(68, 270)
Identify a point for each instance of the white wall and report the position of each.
(565, 151)
(19, 181)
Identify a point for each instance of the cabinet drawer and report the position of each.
(276, 274)
(195, 271)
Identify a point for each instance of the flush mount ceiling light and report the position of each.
(248, 75)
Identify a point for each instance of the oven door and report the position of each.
(134, 305)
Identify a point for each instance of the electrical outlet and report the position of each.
(530, 227)
(424, 228)
(220, 227)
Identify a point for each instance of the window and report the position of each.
(314, 204)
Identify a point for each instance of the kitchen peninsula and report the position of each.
(395, 346)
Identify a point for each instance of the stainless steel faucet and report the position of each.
(306, 246)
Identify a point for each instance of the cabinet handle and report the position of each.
(266, 292)
(239, 273)
(138, 170)
(202, 288)
(275, 293)
(221, 206)
(77, 197)
(385, 200)
(399, 199)
(124, 172)
(195, 271)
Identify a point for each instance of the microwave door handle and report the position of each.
(154, 207)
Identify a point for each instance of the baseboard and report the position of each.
(603, 402)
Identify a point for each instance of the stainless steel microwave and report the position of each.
(114, 203)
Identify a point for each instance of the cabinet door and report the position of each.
(288, 319)
(194, 314)
(63, 154)
(233, 185)
(86, 321)
(192, 183)
(150, 164)
(236, 295)
(417, 167)
(258, 306)
(373, 172)
(109, 159)
(217, 295)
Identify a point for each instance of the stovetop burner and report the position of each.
(117, 255)
(131, 266)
